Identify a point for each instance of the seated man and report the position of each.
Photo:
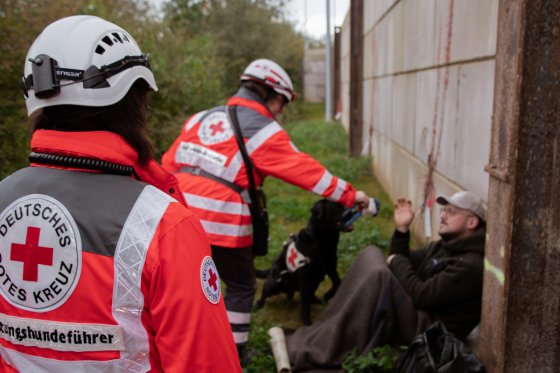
(379, 303)
(445, 277)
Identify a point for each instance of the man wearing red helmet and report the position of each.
(213, 177)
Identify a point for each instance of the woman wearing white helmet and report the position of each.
(92, 236)
(213, 175)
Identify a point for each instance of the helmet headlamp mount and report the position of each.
(45, 84)
(46, 75)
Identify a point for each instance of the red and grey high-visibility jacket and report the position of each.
(105, 273)
(208, 142)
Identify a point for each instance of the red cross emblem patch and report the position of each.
(294, 258)
(31, 254)
(40, 253)
(210, 280)
(214, 128)
(217, 128)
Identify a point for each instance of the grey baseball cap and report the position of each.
(465, 200)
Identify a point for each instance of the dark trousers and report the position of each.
(237, 271)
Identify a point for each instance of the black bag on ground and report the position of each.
(257, 207)
(438, 351)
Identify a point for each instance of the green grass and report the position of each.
(289, 208)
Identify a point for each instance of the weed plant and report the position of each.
(379, 360)
(289, 209)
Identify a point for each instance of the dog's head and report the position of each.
(329, 215)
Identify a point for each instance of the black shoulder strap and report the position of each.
(200, 172)
(232, 115)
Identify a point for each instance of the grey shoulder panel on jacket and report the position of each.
(251, 121)
(213, 110)
(99, 203)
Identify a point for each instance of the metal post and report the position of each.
(520, 325)
(356, 75)
(328, 72)
(336, 89)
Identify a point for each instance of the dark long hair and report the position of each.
(127, 118)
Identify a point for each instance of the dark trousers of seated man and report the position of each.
(370, 309)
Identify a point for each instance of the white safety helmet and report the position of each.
(82, 60)
(269, 73)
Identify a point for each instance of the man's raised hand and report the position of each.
(404, 215)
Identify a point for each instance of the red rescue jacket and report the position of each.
(208, 142)
(103, 272)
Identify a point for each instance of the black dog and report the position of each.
(307, 257)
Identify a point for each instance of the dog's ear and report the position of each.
(318, 211)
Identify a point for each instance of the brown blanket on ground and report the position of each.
(369, 309)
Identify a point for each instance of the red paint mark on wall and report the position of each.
(437, 121)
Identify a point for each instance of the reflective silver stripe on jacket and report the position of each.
(323, 183)
(224, 229)
(253, 144)
(239, 317)
(128, 301)
(130, 255)
(340, 188)
(262, 136)
(240, 337)
(182, 156)
(216, 205)
(29, 363)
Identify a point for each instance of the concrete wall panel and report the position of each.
(345, 37)
(428, 87)
(380, 144)
(375, 48)
(370, 55)
(345, 119)
(395, 21)
(419, 34)
(404, 176)
(462, 120)
(314, 75)
(387, 41)
(367, 119)
(445, 138)
(382, 105)
(474, 29)
(403, 116)
(474, 113)
(374, 10)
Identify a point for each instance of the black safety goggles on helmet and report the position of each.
(46, 75)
